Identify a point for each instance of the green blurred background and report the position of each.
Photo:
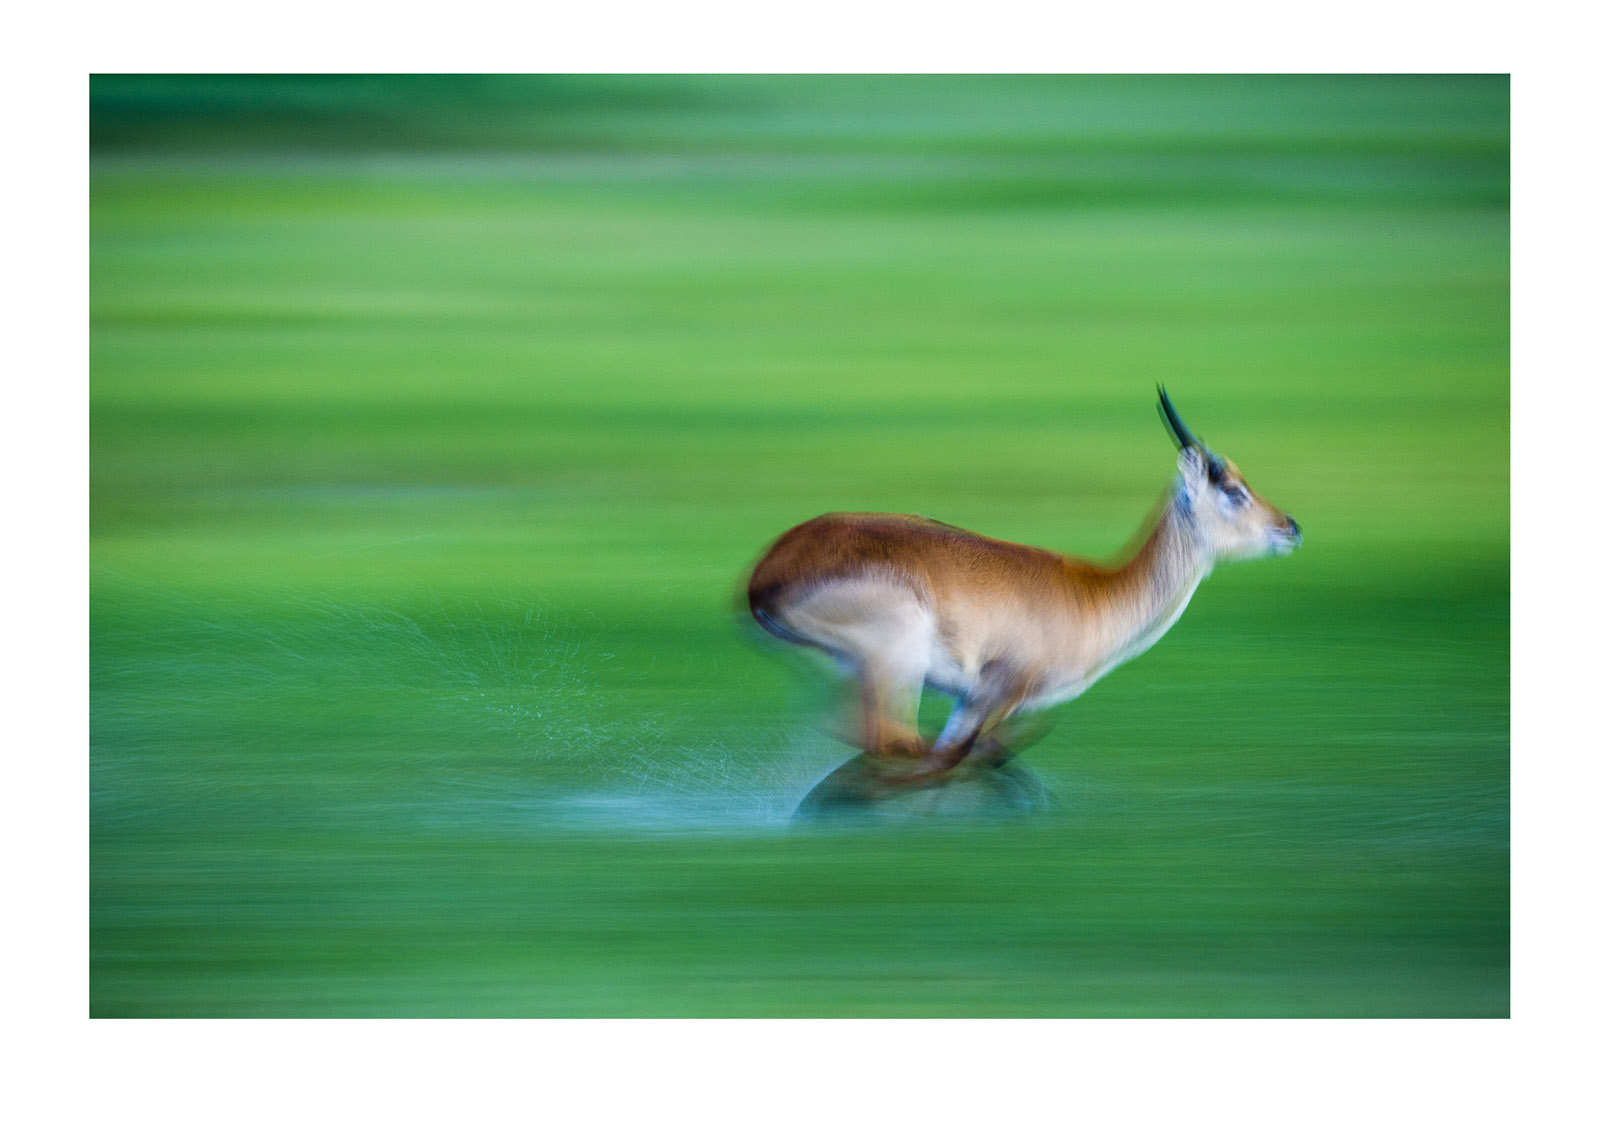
(434, 422)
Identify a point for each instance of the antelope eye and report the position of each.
(1235, 493)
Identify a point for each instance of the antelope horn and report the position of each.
(1175, 425)
(1187, 439)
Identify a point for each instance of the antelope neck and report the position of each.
(1157, 582)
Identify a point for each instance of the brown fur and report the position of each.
(925, 554)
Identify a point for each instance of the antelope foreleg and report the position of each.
(972, 725)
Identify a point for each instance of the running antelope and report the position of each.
(904, 602)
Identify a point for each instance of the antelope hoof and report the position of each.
(901, 748)
(991, 756)
(931, 770)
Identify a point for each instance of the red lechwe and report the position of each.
(904, 602)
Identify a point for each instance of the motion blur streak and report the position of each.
(433, 422)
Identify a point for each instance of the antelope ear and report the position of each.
(1192, 465)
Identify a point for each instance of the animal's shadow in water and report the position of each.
(869, 785)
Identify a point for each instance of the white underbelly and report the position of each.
(947, 674)
(1053, 696)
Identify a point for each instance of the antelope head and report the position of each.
(1228, 517)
